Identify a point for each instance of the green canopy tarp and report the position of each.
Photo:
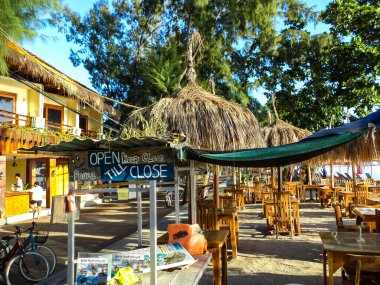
(273, 156)
(311, 146)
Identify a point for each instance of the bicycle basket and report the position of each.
(41, 236)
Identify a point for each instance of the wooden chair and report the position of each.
(340, 226)
(349, 186)
(207, 216)
(237, 194)
(283, 217)
(227, 201)
(291, 187)
(359, 200)
(361, 269)
(257, 193)
(368, 181)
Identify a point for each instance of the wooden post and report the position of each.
(216, 185)
(272, 176)
(193, 194)
(354, 174)
(309, 174)
(176, 194)
(233, 175)
(332, 174)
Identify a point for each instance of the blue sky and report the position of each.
(55, 50)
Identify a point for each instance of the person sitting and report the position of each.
(37, 196)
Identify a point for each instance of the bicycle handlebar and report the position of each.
(20, 230)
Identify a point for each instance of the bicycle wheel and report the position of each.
(33, 267)
(50, 256)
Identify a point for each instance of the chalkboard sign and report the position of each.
(122, 165)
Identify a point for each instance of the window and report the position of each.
(54, 117)
(8, 106)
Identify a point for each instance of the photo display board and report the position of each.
(122, 165)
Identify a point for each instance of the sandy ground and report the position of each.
(263, 259)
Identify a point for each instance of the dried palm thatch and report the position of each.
(209, 121)
(281, 133)
(34, 69)
(365, 148)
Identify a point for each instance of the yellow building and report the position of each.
(40, 105)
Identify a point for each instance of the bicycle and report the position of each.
(35, 242)
(31, 265)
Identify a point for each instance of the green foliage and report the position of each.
(157, 129)
(134, 50)
(318, 78)
(161, 72)
(20, 20)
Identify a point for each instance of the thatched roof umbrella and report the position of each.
(210, 121)
(281, 133)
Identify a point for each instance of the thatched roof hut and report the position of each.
(209, 121)
(33, 69)
(281, 133)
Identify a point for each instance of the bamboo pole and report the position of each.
(332, 174)
(272, 177)
(309, 175)
(233, 175)
(354, 174)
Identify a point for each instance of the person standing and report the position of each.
(37, 197)
(19, 185)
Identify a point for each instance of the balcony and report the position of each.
(20, 131)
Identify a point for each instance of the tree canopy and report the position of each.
(134, 52)
(321, 79)
(20, 20)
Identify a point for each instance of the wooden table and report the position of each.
(217, 245)
(366, 215)
(310, 188)
(230, 216)
(324, 192)
(373, 201)
(179, 276)
(338, 244)
(269, 203)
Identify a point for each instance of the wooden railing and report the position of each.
(14, 120)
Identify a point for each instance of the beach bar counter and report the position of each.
(17, 203)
